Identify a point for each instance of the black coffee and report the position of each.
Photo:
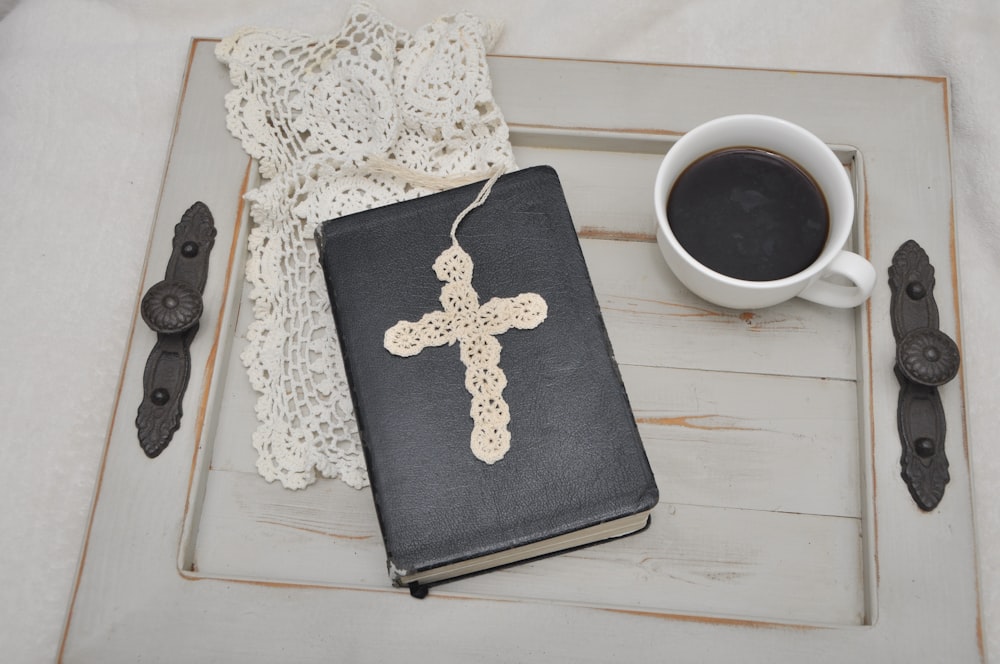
(749, 214)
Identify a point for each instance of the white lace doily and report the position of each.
(366, 117)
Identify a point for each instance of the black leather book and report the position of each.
(575, 471)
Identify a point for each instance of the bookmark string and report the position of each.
(484, 193)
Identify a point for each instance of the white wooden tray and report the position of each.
(784, 531)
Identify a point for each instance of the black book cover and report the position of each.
(575, 458)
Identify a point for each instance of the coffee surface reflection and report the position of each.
(749, 214)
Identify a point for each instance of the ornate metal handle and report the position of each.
(925, 359)
(172, 309)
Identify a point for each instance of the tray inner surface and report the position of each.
(751, 421)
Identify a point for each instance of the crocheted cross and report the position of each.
(475, 327)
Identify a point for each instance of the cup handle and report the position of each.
(855, 269)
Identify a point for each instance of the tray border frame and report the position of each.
(696, 629)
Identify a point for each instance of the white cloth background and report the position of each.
(88, 91)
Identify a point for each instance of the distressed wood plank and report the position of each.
(693, 558)
(330, 531)
(609, 191)
(653, 320)
(701, 560)
(748, 441)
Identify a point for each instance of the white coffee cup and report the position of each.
(815, 158)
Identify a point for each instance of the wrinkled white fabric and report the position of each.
(366, 117)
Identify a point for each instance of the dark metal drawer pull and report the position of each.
(172, 309)
(925, 359)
